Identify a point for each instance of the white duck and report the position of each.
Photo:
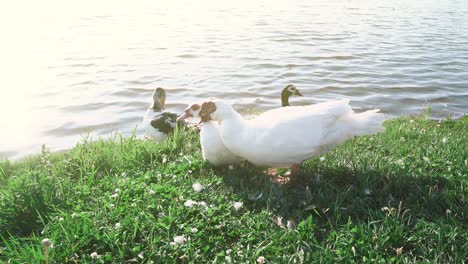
(213, 149)
(157, 123)
(284, 137)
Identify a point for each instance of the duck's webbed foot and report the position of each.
(285, 178)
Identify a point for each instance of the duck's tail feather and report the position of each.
(366, 123)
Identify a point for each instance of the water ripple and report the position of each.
(96, 71)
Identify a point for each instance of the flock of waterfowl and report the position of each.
(280, 138)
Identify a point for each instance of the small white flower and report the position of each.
(261, 260)
(367, 191)
(190, 203)
(61, 219)
(426, 159)
(228, 251)
(444, 140)
(203, 204)
(197, 187)
(112, 205)
(399, 251)
(94, 255)
(164, 160)
(179, 240)
(115, 195)
(117, 225)
(117, 190)
(152, 192)
(47, 243)
(193, 230)
(322, 158)
(237, 205)
(228, 259)
(140, 255)
(291, 224)
(172, 243)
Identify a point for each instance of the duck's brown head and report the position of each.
(207, 108)
(191, 111)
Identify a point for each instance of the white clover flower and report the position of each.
(61, 219)
(94, 255)
(47, 243)
(152, 192)
(193, 230)
(203, 204)
(261, 260)
(444, 140)
(291, 224)
(237, 205)
(112, 205)
(399, 251)
(228, 259)
(117, 225)
(115, 195)
(179, 240)
(190, 203)
(141, 255)
(228, 251)
(197, 187)
(322, 158)
(117, 190)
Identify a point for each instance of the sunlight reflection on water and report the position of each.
(73, 68)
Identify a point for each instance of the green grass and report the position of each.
(395, 197)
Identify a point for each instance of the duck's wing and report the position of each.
(166, 122)
(276, 115)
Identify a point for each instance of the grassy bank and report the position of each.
(399, 196)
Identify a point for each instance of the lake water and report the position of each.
(69, 69)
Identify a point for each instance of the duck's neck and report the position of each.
(232, 116)
(156, 106)
(284, 99)
(234, 131)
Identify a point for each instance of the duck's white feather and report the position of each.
(213, 149)
(289, 135)
(149, 130)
